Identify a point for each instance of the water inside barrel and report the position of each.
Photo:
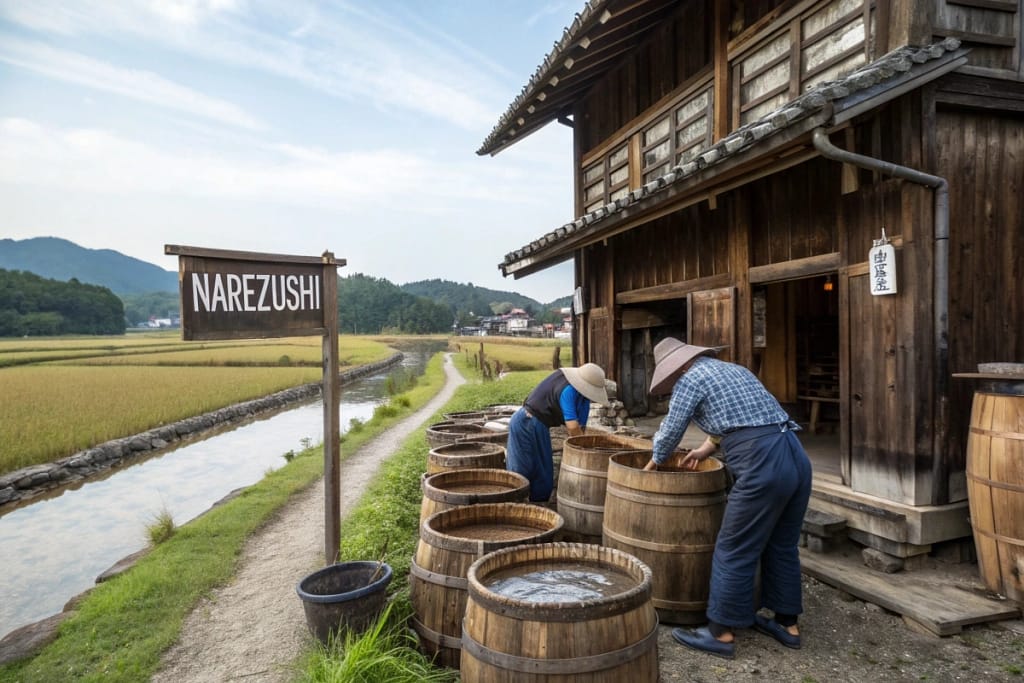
(560, 582)
(477, 487)
(494, 532)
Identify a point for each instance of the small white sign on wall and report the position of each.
(882, 265)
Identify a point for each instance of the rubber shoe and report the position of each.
(777, 631)
(701, 639)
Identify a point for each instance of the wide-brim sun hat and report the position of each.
(588, 379)
(670, 356)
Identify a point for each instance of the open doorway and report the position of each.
(796, 356)
(643, 326)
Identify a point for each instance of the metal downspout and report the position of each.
(940, 473)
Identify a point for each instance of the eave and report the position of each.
(592, 45)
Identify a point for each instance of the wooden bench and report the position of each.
(816, 402)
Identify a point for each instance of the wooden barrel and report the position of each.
(995, 490)
(450, 541)
(445, 490)
(582, 480)
(490, 436)
(441, 433)
(669, 519)
(559, 612)
(465, 455)
(471, 416)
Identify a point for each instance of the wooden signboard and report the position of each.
(246, 295)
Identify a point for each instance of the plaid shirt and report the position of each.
(720, 397)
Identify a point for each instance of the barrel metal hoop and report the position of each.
(438, 579)
(579, 506)
(659, 547)
(996, 484)
(597, 474)
(575, 665)
(680, 606)
(432, 636)
(998, 434)
(1000, 537)
(662, 499)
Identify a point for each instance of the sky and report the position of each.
(284, 127)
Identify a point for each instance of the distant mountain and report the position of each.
(59, 259)
(479, 300)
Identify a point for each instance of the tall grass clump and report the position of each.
(401, 379)
(161, 527)
(385, 652)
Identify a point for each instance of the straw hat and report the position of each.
(670, 356)
(588, 379)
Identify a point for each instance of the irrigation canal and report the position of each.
(54, 548)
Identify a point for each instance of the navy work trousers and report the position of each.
(762, 522)
(529, 453)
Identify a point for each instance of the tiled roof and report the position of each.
(869, 77)
(601, 32)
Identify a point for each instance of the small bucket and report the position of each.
(347, 596)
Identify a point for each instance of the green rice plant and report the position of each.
(53, 411)
(385, 410)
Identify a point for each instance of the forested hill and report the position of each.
(479, 300)
(32, 305)
(59, 259)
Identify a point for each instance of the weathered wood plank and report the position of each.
(942, 608)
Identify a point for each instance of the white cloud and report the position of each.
(341, 50)
(99, 161)
(136, 84)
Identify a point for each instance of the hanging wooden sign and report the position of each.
(882, 264)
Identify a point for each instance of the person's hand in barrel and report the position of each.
(691, 461)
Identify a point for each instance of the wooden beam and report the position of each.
(720, 58)
(673, 290)
(909, 23)
(792, 270)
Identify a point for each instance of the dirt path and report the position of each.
(254, 627)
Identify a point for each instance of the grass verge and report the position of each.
(387, 516)
(121, 628)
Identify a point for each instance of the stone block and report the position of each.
(882, 562)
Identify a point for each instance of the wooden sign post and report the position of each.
(246, 295)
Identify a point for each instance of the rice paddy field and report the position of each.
(513, 354)
(62, 395)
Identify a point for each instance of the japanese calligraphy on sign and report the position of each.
(882, 268)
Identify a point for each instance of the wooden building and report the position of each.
(735, 162)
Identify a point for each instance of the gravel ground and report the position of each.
(845, 639)
(254, 628)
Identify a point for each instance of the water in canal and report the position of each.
(53, 549)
